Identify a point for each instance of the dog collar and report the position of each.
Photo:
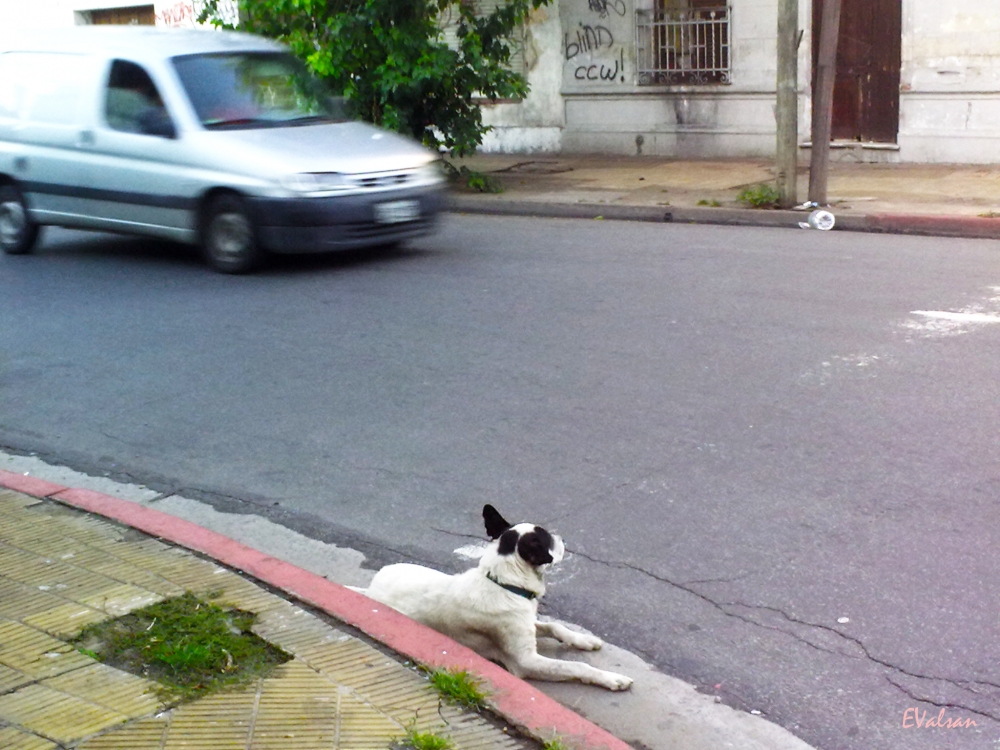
(527, 594)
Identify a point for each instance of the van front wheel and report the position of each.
(229, 237)
(18, 233)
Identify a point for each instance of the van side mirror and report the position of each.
(156, 121)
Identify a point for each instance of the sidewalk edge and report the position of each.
(973, 227)
(513, 699)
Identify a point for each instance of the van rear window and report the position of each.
(254, 89)
(41, 87)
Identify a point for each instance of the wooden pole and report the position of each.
(787, 105)
(822, 103)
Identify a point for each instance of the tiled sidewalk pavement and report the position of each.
(61, 569)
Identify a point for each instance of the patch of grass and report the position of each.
(423, 741)
(460, 688)
(990, 215)
(189, 646)
(759, 196)
(555, 743)
(471, 179)
(713, 203)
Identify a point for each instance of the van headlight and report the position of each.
(315, 182)
(432, 172)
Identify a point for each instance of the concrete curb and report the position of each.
(516, 701)
(975, 227)
(939, 226)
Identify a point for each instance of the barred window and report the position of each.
(683, 42)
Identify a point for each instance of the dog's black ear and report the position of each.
(535, 547)
(495, 523)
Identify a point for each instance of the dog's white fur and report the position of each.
(496, 623)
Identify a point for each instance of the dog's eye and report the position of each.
(534, 548)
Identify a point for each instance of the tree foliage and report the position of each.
(389, 58)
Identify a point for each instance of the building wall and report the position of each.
(536, 124)
(949, 98)
(606, 110)
(950, 82)
(621, 116)
(581, 56)
(19, 14)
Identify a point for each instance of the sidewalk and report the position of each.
(350, 684)
(659, 712)
(936, 199)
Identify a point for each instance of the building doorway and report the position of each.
(136, 15)
(866, 92)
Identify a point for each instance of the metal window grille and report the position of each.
(683, 46)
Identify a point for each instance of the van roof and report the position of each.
(137, 42)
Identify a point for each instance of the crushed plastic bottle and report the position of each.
(822, 220)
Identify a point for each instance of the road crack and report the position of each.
(861, 650)
(937, 704)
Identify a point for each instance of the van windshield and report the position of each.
(233, 90)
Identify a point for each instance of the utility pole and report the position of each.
(822, 101)
(787, 109)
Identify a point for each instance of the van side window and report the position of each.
(133, 103)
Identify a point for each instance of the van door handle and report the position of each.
(86, 137)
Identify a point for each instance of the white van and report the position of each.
(200, 136)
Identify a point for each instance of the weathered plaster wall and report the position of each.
(590, 89)
(585, 97)
(598, 46)
(535, 124)
(608, 111)
(950, 82)
(18, 14)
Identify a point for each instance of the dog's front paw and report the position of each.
(587, 642)
(616, 682)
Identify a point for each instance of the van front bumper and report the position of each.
(344, 222)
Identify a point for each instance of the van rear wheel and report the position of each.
(229, 237)
(18, 233)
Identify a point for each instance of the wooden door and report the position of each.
(866, 92)
(139, 14)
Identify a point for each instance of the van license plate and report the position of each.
(397, 211)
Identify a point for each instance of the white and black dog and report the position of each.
(493, 608)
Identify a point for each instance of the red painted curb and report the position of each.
(515, 700)
(958, 226)
(28, 485)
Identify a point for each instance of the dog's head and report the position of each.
(533, 544)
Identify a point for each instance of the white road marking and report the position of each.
(958, 317)
(471, 551)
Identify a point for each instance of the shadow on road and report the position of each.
(87, 247)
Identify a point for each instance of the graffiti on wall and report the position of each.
(588, 39)
(590, 50)
(602, 71)
(603, 7)
(184, 13)
(180, 14)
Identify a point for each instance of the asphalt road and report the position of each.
(778, 481)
